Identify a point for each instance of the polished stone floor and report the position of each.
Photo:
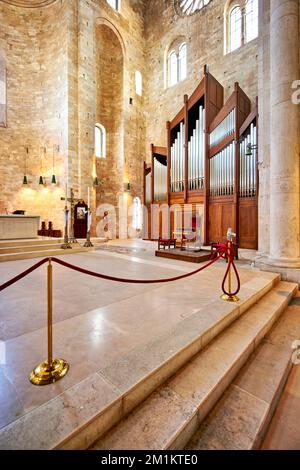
(96, 321)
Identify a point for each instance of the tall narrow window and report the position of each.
(138, 83)
(100, 141)
(241, 23)
(182, 61)
(251, 20)
(115, 4)
(172, 68)
(235, 28)
(2, 92)
(176, 62)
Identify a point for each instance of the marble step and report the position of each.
(42, 253)
(170, 416)
(241, 418)
(29, 248)
(85, 411)
(30, 242)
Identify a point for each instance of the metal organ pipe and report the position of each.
(248, 177)
(224, 129)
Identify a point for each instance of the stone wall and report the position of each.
(33, 44)
(204, 34)
(91, 99)
(60, 84)
(52, 57)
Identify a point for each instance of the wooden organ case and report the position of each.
(211, 161)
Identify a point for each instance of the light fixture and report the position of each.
(250, 147)
(127, 187)
(53, 179)
(96, 181)
(41, 180)
(25, 181)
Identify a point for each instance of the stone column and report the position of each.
(284, 148)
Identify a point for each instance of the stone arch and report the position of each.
(110, 108)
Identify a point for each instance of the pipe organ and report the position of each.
(177, 161)
(224, 129)
(196, 153)
(222, 171)
(210, 161)
(248, 163)
(160, 178)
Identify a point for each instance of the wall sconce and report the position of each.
(127, 187)
(96, 181)
(250, 147)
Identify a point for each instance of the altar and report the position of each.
(16, 227)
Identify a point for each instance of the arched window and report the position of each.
(176, 62)
(115, 4)
(235, 28)
(241, 23)
(100, 141)
(138, 83)
(251, 20)
(182, 61)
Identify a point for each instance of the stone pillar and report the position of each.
(284, 148)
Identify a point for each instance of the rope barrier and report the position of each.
(136, 281)
(52, 370)
(25, 273)
(223, 251)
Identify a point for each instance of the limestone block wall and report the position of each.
(204, 33)
(106, 39)
(33, 44)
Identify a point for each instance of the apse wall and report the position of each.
(204, 34)
(33, 43)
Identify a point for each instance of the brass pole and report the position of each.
(50, 339)
(51, 370)
(229, 297)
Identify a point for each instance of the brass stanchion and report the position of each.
(51, 370)
(230, 297)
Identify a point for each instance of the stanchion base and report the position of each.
(44, 375)
(66, 246)
(88, 245)
(230, 298)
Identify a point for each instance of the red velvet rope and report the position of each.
(224, 251)
(135, 281)
(25, 273)
(229, 254)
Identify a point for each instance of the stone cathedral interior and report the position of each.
(149, 225)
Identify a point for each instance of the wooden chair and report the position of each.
(166, 242)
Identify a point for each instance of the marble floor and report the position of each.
(96, 322)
